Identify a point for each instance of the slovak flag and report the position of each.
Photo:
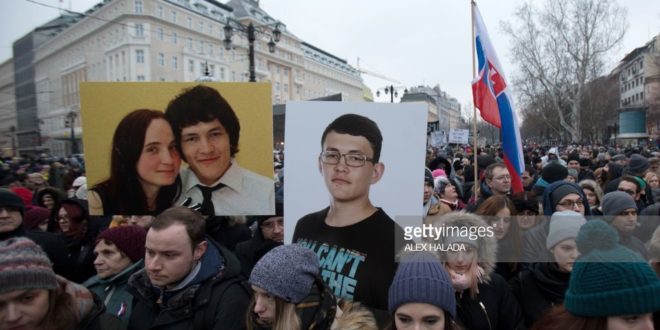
(491, 97)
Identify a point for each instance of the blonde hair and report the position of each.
(285, 315)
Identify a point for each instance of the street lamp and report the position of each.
(392, 91)
(250, 30)
(71, 120)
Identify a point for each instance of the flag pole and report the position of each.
(474, 109)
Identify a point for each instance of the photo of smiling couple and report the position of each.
(199, 129)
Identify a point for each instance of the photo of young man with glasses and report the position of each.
(353, 238)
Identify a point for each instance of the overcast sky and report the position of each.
(417, 42)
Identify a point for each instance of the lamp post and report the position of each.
(71, 119)
(392, 91)
(251, 31)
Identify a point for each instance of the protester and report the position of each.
(421, 295)
(430, 200)
(551, 173)
(144, 168)
(527, 210)
(36, 218)
(558, 196)
(610, 286)
(51, 199)
(189, 281)
(594, 195)
(119, 253)
(499, 212)
(268, 234)
(543, 284)
(484, 299)
(497, 182)
(11, 225)
(33, 297)
(73, 225)
(288, 293)
(620, 211)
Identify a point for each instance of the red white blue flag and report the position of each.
(492, 98)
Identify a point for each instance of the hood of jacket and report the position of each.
(487, 250)
(217, 264)
(548, 208)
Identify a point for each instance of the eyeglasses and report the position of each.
(570, 204)
(352, 160)
(628, 191)
(502, 177)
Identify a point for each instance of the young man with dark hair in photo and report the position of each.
(207, 132)
(356, 242)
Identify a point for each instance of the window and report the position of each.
(173, 16)
(139, 30)
(175, 62)
(222, 73)
(190, 42)
(200, 26)
(189, 22)
(140, 77)
(161, 59)
(277, 86)
(286, 88)
(191, 65)
(139, 56)
(159, 11)
(210, 29)
(200, 46)
(211, 49)
(202, 67)
(174, 38)
(212, 70)
(160, 33)
(138, 6)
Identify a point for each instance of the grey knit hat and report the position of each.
(421, 279)
(287, 272)
(24, 265)
(616, 202)
(564, 225)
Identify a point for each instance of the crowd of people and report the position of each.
(579, 248)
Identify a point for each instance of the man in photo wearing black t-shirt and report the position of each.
(354, 240)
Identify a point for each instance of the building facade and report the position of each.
(161, 40)
(639, 94)
(447, 109)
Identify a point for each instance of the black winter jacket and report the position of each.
(539, 288)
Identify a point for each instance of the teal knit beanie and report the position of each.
(609, 279)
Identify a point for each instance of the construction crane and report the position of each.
(374, 74)
(388, 89)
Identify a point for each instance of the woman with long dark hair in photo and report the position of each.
(144, 168)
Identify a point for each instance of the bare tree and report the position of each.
(559, 48)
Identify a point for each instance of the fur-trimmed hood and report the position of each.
(487, 250)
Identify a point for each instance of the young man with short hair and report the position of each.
(356, 242)
(620, 211)
(207, 132)
(188, 280)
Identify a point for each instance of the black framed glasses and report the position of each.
(570, 204)
(628, 191)
(352, 160)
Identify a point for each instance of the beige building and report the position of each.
(169, 40)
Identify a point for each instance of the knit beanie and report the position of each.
(24, 265)
(34, 216)
(287, 272)
(574, 173)
(618, 157)
(609, 279)
(554, 171)
(8, 198)
(24, 193)
(129, 240)
(421, 279)
(616, 202)
(563, 225)
(573, 156)
(638, 164)
(279, 212)
(561, 192)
